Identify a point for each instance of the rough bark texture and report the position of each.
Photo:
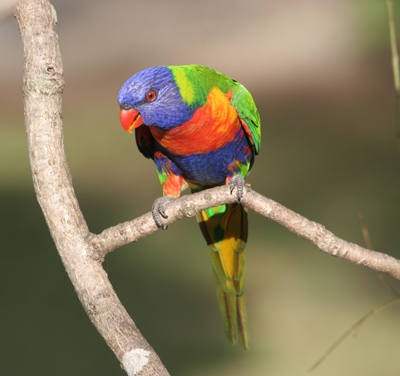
(189, 206)
(42, 88)
(82, 252)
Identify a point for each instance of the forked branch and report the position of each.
(82, 251)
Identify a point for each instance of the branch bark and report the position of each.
(81, 251)
(189, 206)
(42, 88)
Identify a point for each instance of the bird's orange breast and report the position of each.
(211, 127)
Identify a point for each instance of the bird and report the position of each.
(202, 129)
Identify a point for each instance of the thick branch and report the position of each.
(189, 206)
(42, 87)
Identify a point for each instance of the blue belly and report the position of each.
(214, 167)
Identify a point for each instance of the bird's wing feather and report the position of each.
(249, 116)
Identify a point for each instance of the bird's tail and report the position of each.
(225, 230)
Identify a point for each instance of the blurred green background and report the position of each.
(320, 73)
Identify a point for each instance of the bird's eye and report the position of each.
(151, 95)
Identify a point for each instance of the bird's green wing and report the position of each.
(249, 116)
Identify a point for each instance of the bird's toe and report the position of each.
(238, 182)
(158, 211)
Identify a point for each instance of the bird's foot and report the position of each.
(238, 182)
(158, 210)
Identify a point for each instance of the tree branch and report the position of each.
(81, 251)
(42, 87)
(189, 206)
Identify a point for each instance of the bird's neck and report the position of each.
(210, 128)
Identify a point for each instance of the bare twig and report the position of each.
(382, 278)
(393, 46)
(365, 232)
(395, 65)
(368, 243)
(353, 330)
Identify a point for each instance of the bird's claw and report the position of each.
(158, 210)
(238, 182)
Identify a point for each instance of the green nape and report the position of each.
(196, 81)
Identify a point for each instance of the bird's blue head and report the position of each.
(151, 97)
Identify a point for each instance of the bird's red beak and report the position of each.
(130, 119)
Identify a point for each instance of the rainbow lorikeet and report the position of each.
(201, 129)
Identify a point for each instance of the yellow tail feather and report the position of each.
(225, 230)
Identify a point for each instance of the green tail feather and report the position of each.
(225, 230)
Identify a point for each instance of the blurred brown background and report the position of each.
(320, 73)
